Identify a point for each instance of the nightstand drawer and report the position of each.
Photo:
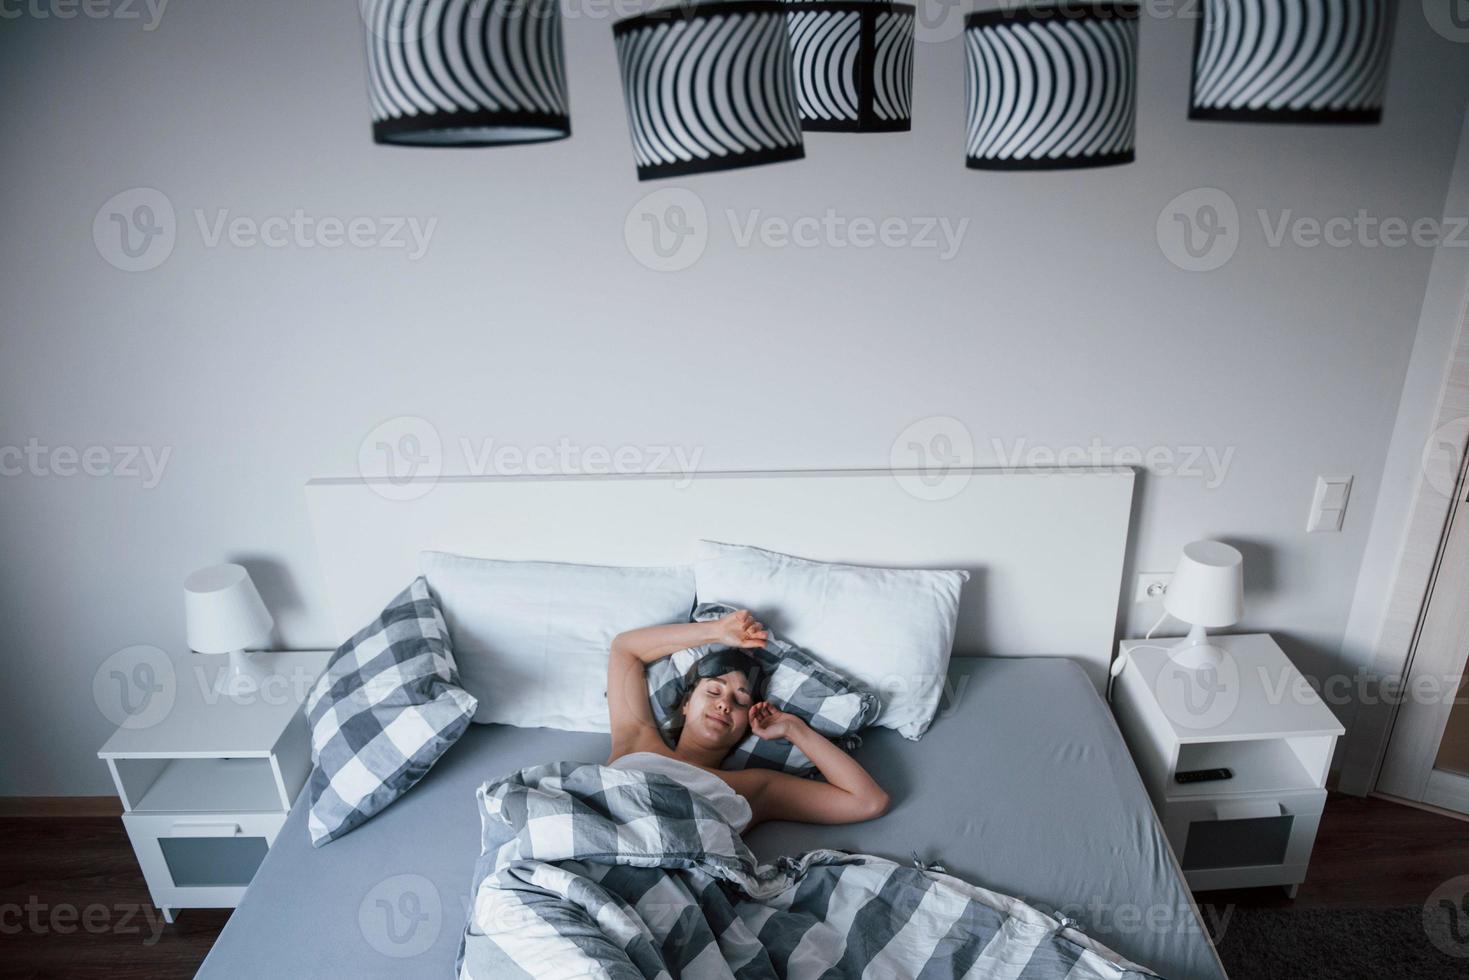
(1265, 832)
(201, 860)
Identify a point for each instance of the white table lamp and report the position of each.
(1207, 592)
(224, 614)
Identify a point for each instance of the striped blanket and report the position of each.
(588, 871)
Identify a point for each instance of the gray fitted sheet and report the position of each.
(1023, 785)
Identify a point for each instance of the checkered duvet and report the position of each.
(588, 871)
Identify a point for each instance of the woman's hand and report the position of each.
(741, 630)
(769, 722)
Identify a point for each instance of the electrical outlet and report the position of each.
(1151, 586)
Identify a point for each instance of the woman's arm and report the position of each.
(849, 794)
(627, 685)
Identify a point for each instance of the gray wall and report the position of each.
(530, 321)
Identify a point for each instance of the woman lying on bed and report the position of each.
(718, 712)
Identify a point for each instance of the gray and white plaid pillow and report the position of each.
(387, 707)
(790, 678)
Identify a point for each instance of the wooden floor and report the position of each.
(73, 905)
(1369, 854)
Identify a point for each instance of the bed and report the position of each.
(1023, 784)
(1059, 818)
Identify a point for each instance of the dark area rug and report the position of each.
(1337, 944)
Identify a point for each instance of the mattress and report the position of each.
(1023, 785)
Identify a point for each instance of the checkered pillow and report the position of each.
(387, 707)
(791, 679)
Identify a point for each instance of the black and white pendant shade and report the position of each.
(1051, 87)
(465, 72)
(853, 64)
(1292, 61)
(709, 87)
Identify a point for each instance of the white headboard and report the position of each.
(1045, 549)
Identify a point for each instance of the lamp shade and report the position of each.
(1051, 87)
(222, 611)
(465, 72)
(853, 64)
(1289, 61)
(708, 86)
(1208, 585)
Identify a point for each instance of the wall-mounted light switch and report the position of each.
(1329, 505)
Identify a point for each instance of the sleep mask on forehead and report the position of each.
(717, 663)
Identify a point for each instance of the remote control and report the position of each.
(1202, 775)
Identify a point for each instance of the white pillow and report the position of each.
(531, 638)
(891, 629)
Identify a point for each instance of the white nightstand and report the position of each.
(206, 789)
(1254, 714)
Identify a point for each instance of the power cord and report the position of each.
(1120, 663)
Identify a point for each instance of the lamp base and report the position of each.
(243, 677)
(1195, 651)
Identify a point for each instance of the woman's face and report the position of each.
(717, 713)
